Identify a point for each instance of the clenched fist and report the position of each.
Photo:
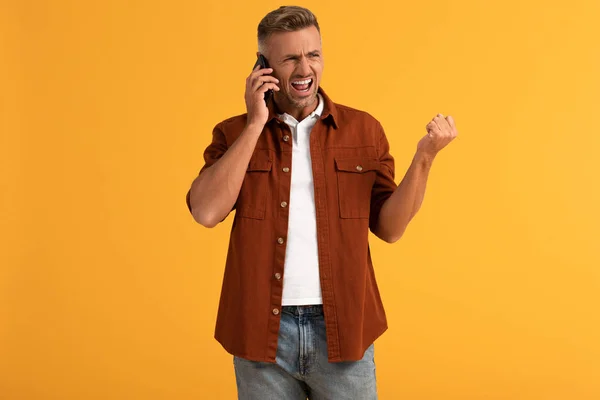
(440, 131)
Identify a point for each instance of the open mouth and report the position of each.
(302, 86)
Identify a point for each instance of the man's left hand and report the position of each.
(440, 132)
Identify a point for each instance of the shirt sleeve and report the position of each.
(384, 184)
(213, 152)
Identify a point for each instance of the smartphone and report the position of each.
(262, 61)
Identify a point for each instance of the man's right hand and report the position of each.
(257, 83)
(215, 191)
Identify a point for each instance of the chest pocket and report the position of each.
(355, 179)
(252, 200)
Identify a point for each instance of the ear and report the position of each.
(257, 54)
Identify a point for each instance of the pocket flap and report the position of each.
(263, 164)
(357, 165)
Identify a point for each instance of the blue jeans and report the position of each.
(301, 370)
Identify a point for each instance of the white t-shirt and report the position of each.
(301, 283)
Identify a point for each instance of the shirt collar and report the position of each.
(285, 117)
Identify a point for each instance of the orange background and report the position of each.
(109, 289)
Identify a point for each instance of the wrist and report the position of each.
(254, 128)
(424, 158)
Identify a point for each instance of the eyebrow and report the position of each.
(297, 55)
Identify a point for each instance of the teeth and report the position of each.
(304, 82)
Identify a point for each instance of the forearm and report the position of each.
(215, 191)
(399, 209)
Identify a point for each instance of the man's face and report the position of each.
(297, 61)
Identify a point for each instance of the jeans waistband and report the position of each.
(313, 309)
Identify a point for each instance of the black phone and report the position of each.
(262, 61)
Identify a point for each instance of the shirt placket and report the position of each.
(327, 289)
(283, 178)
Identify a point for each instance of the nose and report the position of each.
(304, 66)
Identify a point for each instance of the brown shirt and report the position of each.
(353, 175)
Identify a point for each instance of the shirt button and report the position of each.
(280, 240)
(283, 204)
(275, 311)
(278, 276)
(359, 168)
(286, 138)
(286, 169)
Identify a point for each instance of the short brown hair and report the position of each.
(285, 19)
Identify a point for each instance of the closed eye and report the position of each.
(312, 54)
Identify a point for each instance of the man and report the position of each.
(308, 178)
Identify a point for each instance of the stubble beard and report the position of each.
(304, 102)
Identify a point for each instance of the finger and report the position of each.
(262, 79)
(268, 78)
(451, 122)
(443, 126)
(441, 122)
(268, 86)
(254, 70)
(259, 72)
(436, 126)
(433, 129)
(251, 81)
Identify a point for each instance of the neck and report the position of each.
(299, 113)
